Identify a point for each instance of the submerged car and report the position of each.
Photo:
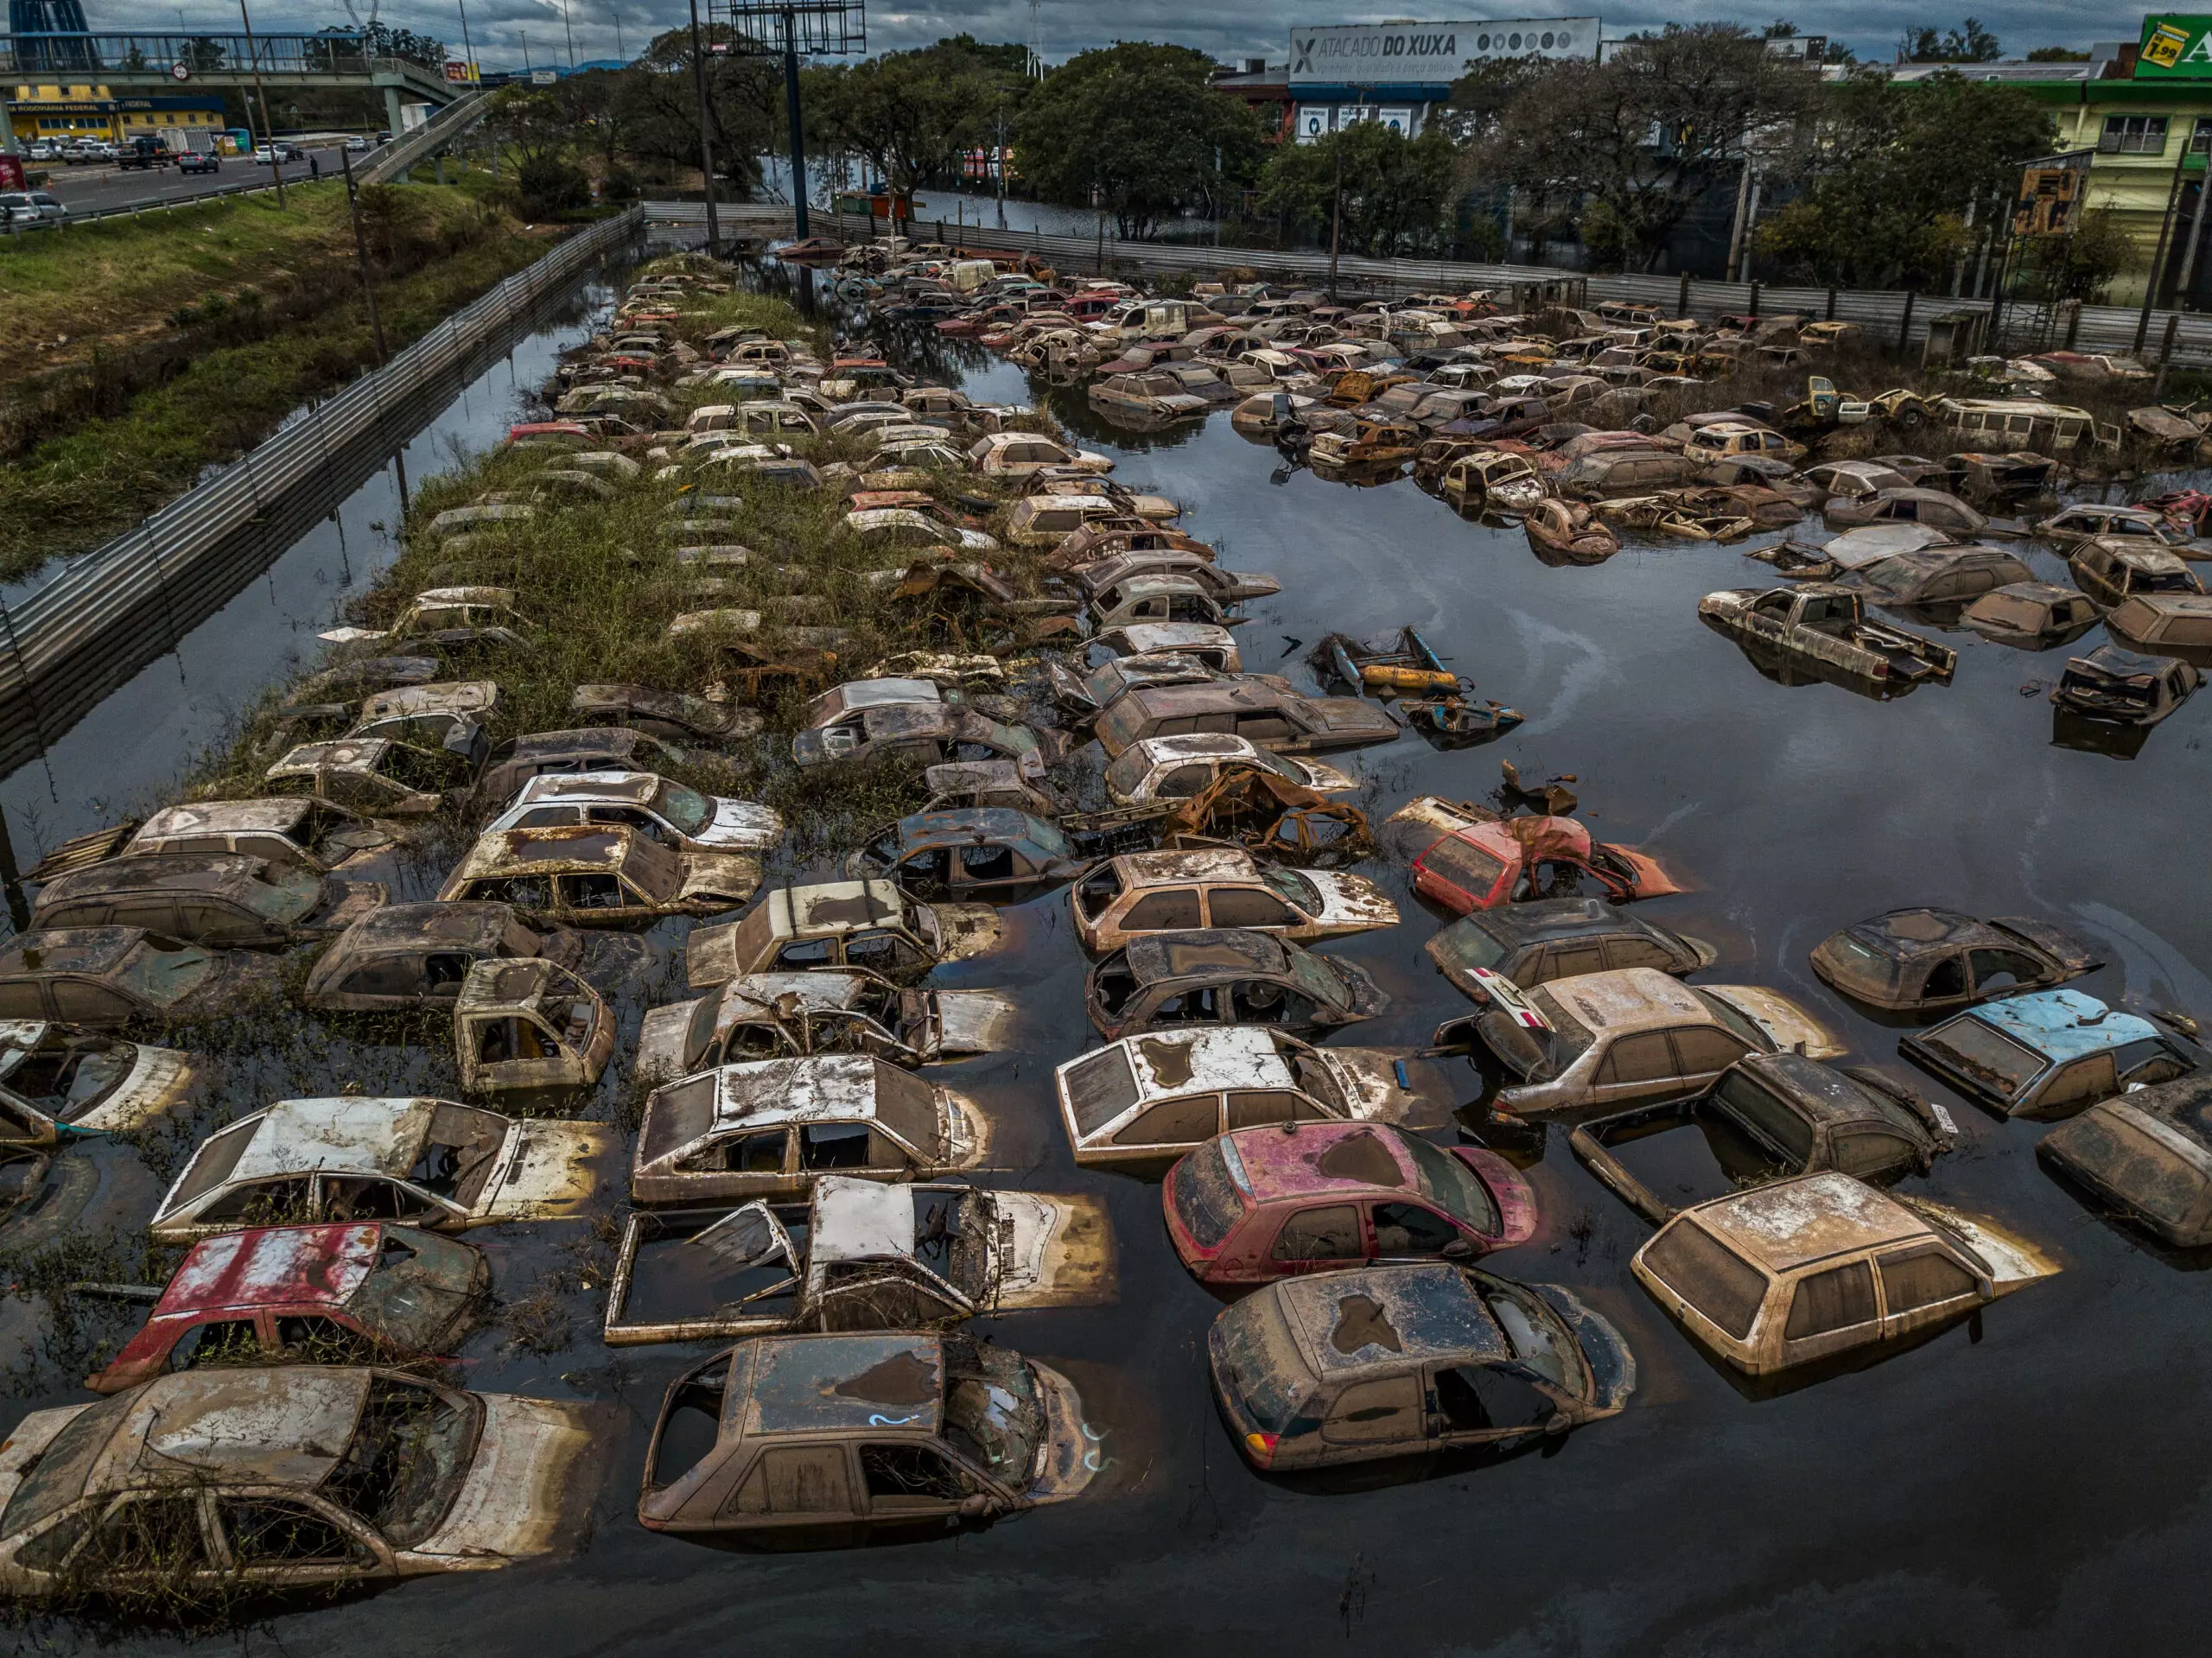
(2033, 614)
(2146, 1153)
(106, 978)
(1396, 1361)
(767, 1128)
(2049, 1054)
(1824, 1266)
(288, 1478)
(1145, 1098)
(970, 853)
(1138, 893)
(530, 1024)
(221, 899)
(314, 834)
(666, 812)
(371, 774)
(827, 1010)
(1925, 961)
(2120, 688)
(1543, 939)
(673, 716)
(411, 955)
(2112, 568)
(1824, 626)
(1478, 862)
(828, 1440)
(58, 1081)
(857, 924)
(1259, 713)
(1637, 1034)
(1256, 1205)
(1770, 1115)
(425, 1162)
(1226, 976)
(858, 1254)
(926, 732)
(1936, 576)
(2179, 626)
(599, 876)
(1176, 768)
(366, 1293)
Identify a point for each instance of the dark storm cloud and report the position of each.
(1227, 30)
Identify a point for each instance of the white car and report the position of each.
(357, 143)
(906, 523)
(664, 811)
(30, 207)
(1175, 768)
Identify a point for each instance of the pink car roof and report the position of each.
(1321, 1159)
(273, 1266)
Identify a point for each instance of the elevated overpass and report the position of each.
(157, 65)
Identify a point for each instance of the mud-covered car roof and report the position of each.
(1201, 863)
(1544, 921)
(818, 1088)
(1322, 1159)
(342, 1133)
(1786, 1225)
(223, 874)
(501, 985)
(273, 1266)
(1906, 935)
(1153, 957)
(454, 924)
(574, 848)
(77, 949)
(842, 1383)
(278, 814)
(1824, 1095)
(1629, 998)
(1352, 1321)
(581, 742)
(968, 825)
(2108, 665)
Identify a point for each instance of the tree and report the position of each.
(2057, 55)
(1397, 192)
(1135, 128)
(1644, 133)
(659, 105)
(911, 114)
(1895, 175)
(2080, 266)
(1974, 44)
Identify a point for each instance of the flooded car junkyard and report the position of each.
(2025, 1481)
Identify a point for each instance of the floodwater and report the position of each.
(2034, 1486)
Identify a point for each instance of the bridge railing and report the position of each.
(148, 53)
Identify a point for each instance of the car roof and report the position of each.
(1206, 696)
(289, 1426)
(1144, 637)
(1193, 745)
(590, 788)
(1208, 1057)
(820, 990)
(819, 1088)
(1322, 1158)
(1172, 869)
(221, 873)
(351, 1132)
(1545, 920)
(1784, 1225)
(2061, 1025)
(834, 906)
(1629, 998)
(504, 984)
(69, 950)
(277, 815)
(557, 849)
(462, 924)
(860, 1220)
(967, 825)
(1822, 1093)
(1904, 935)
(829, 1383)
(1155, 956)
(1374, 1317)
(273, 1266)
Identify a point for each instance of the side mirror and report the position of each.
(1458, 1250)
(1559, 1423)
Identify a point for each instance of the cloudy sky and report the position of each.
(503, 31)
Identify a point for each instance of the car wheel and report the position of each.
(52, 1207)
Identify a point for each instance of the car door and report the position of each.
(808, 1488)
(1924, 1285)
(284, 1540)
(1703, 1052)
(1830, 1311)
(1317, 1238)
(1473, 1403)
(2005, 971)
(1403, 1229)
(1174, 1126)
(1251, 906)
(907, 1483)
(1636, 1066)
(148, 1540)
(2074, 1086)
(1376, 1418)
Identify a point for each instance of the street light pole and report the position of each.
(467, 46)
(361, 253)
(705, 139)
(570, 32)
(269, 137)
(799, 131)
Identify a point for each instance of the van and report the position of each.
(966, 276)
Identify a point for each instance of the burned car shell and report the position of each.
(931, 731)
(1144, 1098)
(2048, 1054)
(1138, 892)
(2121, 688)
(1159, 770)
(529, 1024)
(1256, 1205)
(1785, 1275)
(1928, 960)
(371, 774)
(1827, 624)
(1797, 1115)
(317, 834)
(276, 1294)
(600, 875)
(766, 1129)
(2148, 1154)
(107, 977)
(976, 852)
(405, 955)
(518, 1479)
(1341, 1366)
(1282, 721)
(1225, 975)
(58, 1083)
(1489, 863)
(1557, 939)
(221, 899)
(838, 923)
(827, 1010)
(429, 1162)
(667, 812)
(861, 1255)
(819, 1413)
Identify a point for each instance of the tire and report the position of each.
(58, 1204)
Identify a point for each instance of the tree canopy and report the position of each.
(1397, 195)
(911, 114)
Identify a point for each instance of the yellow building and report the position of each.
(57, 110)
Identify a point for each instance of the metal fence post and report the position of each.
(1904, 328)
(1682, 296)
(1830, 317)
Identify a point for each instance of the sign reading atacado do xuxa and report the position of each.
(1403, 53)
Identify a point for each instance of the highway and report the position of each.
(100, 186)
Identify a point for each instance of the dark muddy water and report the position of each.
(2038, 1489)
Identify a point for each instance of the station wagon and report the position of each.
(222, 899)
(2148, 1154)
(105, 978)
(827, 1010)
(599, 876)
(2048, 1054)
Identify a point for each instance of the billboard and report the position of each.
(1436, 53)
(2175, 47)
(456, 70)
(2050, 188)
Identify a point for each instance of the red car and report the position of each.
(365, 1293)
(814, 247)
(1485, 865)
(1256, 1205)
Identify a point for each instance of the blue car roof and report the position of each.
(2062, 1025)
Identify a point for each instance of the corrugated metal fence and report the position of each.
(1883, 314)
(112, 611)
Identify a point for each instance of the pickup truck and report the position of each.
(1827, 624)
(141, 153)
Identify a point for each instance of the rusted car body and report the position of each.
(1544, 939)
(1123, 898)
(859, 1255)
(565, 754)
(2110, 568)
(1225, 975)
(1825, 624)
(2179, 626)
(1824, 1266)
(106, 978)
(426, 1162)
(365, 1293)
(768, 1128)
(266, 1480)
(2033, 615)
(827, 1010)
(977, 853)
(2120, 688)
(58, 1081)
(408, 956)
(828, 1440)
(869, 925)
(1931, 961)
(1399, 1361)
(664, 811)
(222, 899)
(2050, 1053)
(596, 875)
(2147, 1155)
(1257, 1204)
(1279, 720)
(1773, 1115)
(530, 1025)
(1938, 509)
(1472, 858)
(314, 834)
(1177, 768)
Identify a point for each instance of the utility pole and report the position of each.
(798, 132)
(620, 50)
(570, 32)
(705, 139)
(467, 46)
(1001, 161)
(1336, 209)
(361, 253)
(253, 56)
(523, 36)
(2165, 231)
(2196, 226)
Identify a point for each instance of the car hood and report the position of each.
(1613, 1366)
(1054, 1251)
(525, 1486)
(660, 1041)
(2012, 1260)
(1363, 998)
(741, 826)
(1351, 903)
(1074, 1452)
(942, 1023)
(160, 1078)
(1326, 778)
(1787, 1024)
(1650, 879)
(732, 875)
(1370, 1079)
(547, 1170)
